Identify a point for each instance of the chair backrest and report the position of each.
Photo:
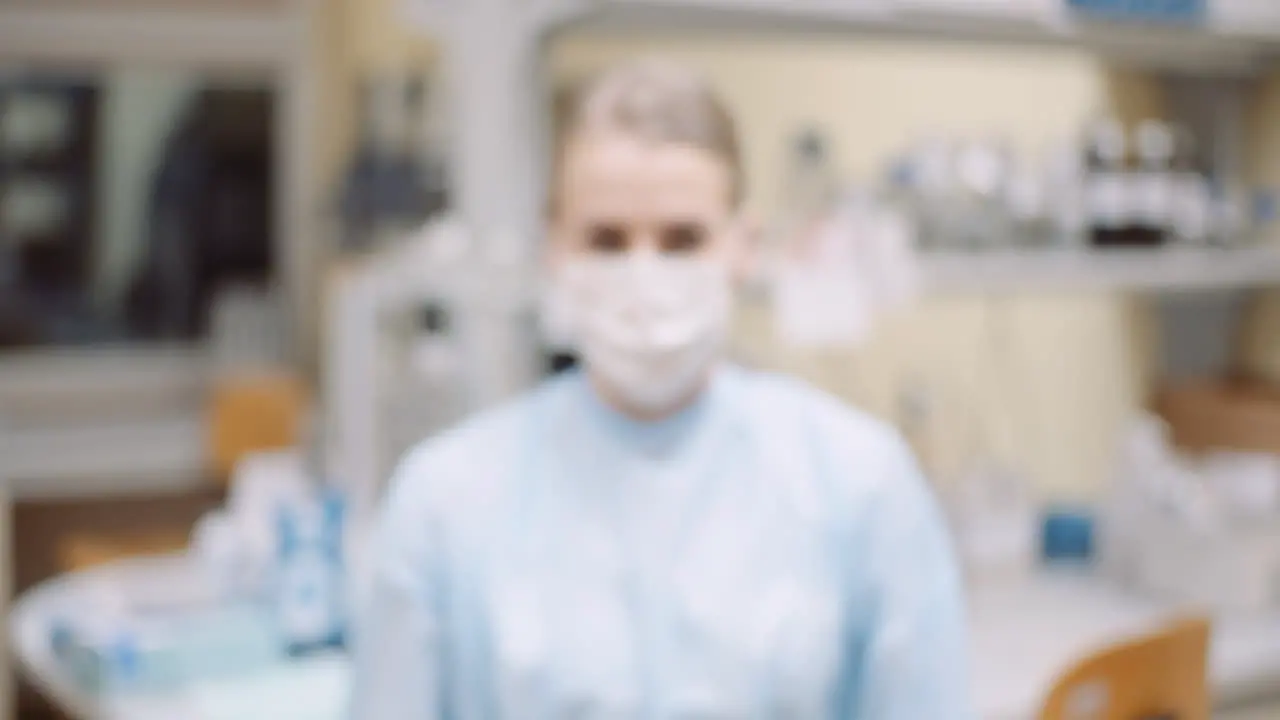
(252, 414)
(1161, 676)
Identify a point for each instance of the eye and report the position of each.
(607, 239)
(683, 238)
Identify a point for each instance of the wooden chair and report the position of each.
(1158, 677)
(254, 413)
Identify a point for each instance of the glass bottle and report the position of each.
(982, 171)
(1152, 184)
(1028, 207)
(1065, 186)
(1107, 214)
(1192, 196)
(807, 198)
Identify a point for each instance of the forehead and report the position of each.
(617, 175)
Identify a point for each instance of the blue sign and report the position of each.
(1173, 12)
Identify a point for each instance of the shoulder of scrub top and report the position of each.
(861, 457)
(463, 464)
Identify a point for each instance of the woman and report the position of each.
(660, 535)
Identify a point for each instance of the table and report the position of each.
(1025, 632)
(314, 689)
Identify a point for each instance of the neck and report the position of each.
(618, 401)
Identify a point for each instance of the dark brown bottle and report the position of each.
(1105, 176)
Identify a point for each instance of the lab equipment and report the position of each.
(859, 266)
(1067, 536)
(996, 523)
(934, 172)
(819, 297)
(428, 365)
(810, 192)
(236, 547)
(309, 591)
(701, 564)
(1030, 221)
(1109, 209)
(1136, 187)
(982, 219)
(394, 375)
(397, 179)
(1152, 183)
(134, 641)
(1177, 528)
(1192, 207)
(162, 653)
(1248, 483)
(218, 549)
(1231, 215)
(1064, 171)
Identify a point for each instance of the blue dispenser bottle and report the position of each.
(309, 591)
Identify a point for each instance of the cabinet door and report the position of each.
(47, 173)
(1256, 18)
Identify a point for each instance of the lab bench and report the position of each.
(1025, 632)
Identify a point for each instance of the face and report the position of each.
(619, 194)
(646, 248)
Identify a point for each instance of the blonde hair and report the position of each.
(655, 101)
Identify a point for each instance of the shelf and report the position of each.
(164, 454)
(1169, 270)
(1247, 18)
(104, 421)
(1237, 38)
(240, 34)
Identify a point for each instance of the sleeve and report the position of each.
(397, 630)
(915, 661)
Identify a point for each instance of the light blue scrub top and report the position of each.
(766, 553)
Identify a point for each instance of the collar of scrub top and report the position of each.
(653, 437)
(653, 476)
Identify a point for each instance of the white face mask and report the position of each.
(650, 325)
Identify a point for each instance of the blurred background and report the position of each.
(253, 248)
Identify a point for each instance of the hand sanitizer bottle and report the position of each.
(309, 592)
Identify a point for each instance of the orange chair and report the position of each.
(1158, 677)
(251, 414)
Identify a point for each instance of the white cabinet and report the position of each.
(1170, 270)
(1239, 36)
(1248, 18)
(763, 14)
(102, 422)
(1036, 11)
